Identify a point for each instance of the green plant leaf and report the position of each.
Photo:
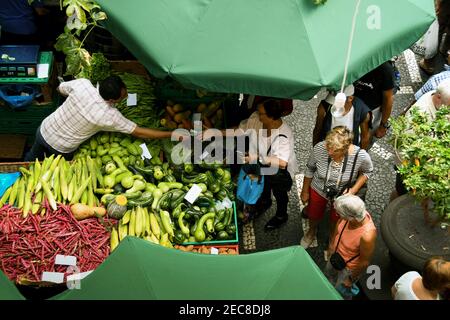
(98, 16)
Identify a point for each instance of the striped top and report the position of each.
(317, 166)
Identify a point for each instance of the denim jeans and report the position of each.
(42, 149)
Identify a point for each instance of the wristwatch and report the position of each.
(386, 125)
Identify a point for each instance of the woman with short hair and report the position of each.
(435, 280)
(336, 166)
(352, 242)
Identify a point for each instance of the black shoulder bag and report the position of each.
(336, 259)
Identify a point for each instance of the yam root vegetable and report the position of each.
(182, 115)
(219, 114)
(170, 111)
(222, 250)
(205, 250)
(187, 124)
(207, 123)
(81, 211)
(212, 109)
(194, 250)
(201, 107)
(189, 247)
(232, 251)
(182, 248)
(178, 108)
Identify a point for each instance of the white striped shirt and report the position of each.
(317, 166)
(83, 114)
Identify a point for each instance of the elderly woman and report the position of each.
(335, 167)
(351, 245)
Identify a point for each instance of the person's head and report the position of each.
(348, 90)
(269, 110)
(350, 207)
(337, 141)
(443, 93)
(112, 89)
(436, 274)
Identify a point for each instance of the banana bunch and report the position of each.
(139, 222)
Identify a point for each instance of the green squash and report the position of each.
(117, 208)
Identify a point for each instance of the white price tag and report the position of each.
(55, 277)
(132, 99)
(145, 153)
(193, 193)
(66, 260)
(214, 250)
(42, 70)
(227, 203)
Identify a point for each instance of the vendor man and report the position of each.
(86, 111)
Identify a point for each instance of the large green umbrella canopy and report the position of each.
(8, 290)
(280, 48)
(138, 269)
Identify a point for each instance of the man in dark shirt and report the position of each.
(376, 89)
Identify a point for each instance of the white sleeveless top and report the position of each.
(346, 120)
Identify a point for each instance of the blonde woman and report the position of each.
(335, 167)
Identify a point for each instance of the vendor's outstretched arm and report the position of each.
(147, 133)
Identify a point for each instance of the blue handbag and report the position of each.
(249, 190)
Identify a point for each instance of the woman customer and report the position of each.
(435, 280)
(335, 167)
(351, 245)
(271, 146)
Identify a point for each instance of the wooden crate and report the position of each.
(12, 166)
(12, 146)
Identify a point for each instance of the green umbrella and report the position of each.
(8, 290)
(138, 269)
(281, 48)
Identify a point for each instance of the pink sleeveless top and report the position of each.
(350, 240)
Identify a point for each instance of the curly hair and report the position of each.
(339, 138)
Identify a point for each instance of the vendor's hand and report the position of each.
(347, 282)
(180, 135)
(349, 191)
(304, 196)
(250, 159)
(380, 132)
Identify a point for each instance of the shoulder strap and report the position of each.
(353, 167)
(339, 240)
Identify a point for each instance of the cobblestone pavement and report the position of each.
(255, 238)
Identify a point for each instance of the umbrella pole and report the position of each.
(350, 44)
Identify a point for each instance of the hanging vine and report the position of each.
(82, 17)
